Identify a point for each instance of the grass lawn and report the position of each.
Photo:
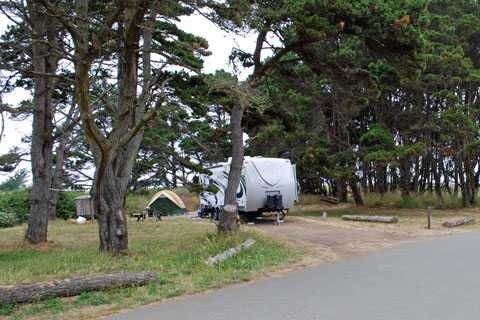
(176, 248)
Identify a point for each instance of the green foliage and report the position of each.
(89, 298)
(377, 139)
(384, 75)
(138, 200)
(7, 309)
(8, 219)
(15, 206)
(15, 182)
(54, 305)
(66, 206)
(10, 160)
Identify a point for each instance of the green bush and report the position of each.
(15, 206)
(138, 200)
(8, 219)
(17, 203)
(66, 207)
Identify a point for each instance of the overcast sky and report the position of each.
(220, 43)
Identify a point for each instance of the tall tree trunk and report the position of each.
(109, 199)
(115, 153)
(461, 181)
(225, 225)
(357, 195)
(42, 133)
(405, 177)
(437, 169)
(470, 177)
(364, 180)
(380, 185)
(342, 191)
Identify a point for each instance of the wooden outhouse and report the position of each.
(84, 206)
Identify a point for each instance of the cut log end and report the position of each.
(458, 222)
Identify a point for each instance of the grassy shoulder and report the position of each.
(176, 248)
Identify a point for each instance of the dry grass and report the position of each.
(410, 221)
(176, 248)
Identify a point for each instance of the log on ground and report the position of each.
(382, 219)
(70, 287)
(458, 222)
(230, 252)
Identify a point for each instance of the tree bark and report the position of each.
(42, 132)
(342, 191)
(114, 153)
(116, 163)
(70, 287)
(405, 177)
(357, 195)
(227, 222)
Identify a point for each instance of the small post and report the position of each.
(429, 216)
(324, 216)
(299, 211)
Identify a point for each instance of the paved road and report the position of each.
(438, 279)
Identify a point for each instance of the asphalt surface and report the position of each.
(437, 279)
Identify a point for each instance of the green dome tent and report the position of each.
(167, 203)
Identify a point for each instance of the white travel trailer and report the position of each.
(266, 185)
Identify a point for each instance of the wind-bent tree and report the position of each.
(311, 29)
(118, 29)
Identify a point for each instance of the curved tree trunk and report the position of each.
(228, 218)
(357, 195)
(109, 202)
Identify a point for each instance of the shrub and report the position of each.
(16, 202)
(8, 219)
(138, 200)
(66, 207)
(15, 206)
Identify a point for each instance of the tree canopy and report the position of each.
(362, 96)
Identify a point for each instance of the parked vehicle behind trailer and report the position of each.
(266, 185)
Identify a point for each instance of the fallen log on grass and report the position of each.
(330, 200)
(458, 222)
(27, 292)
(371, 219)
(230, 252)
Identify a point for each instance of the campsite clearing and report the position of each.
(334, 239)
(177, 248)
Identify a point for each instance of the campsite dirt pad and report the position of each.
(329, 242)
